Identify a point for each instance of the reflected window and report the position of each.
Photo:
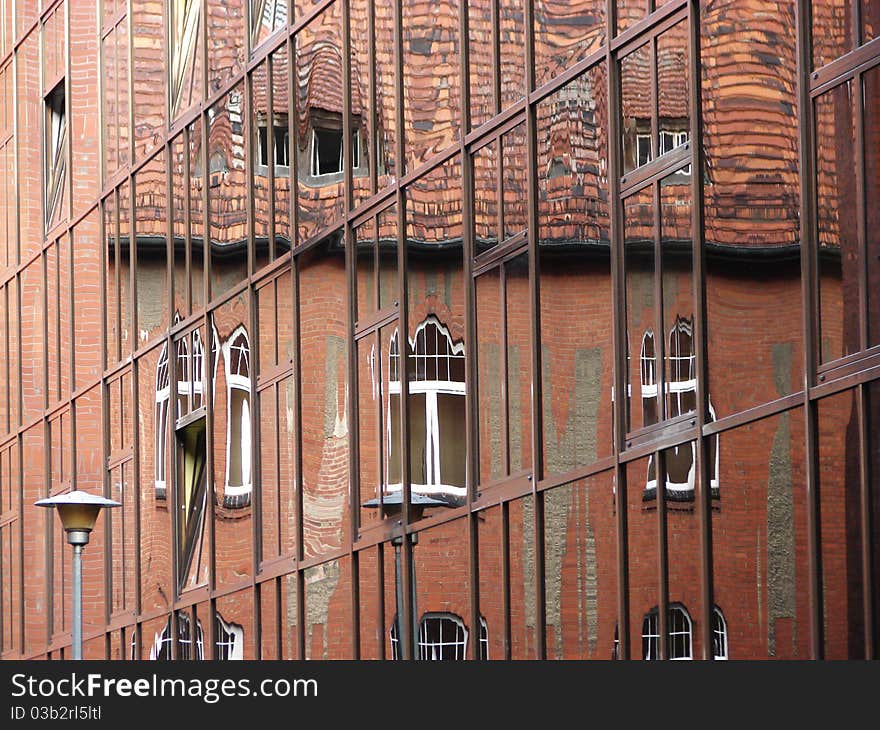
(643, 149)
(191, 503)
(443, 637)
(435, 367)
(681, 398)
(56, 153)
(163, 398)
(237, 353)
(679, 634)
(190, 644)
(280, 143)
(267, 16)
(719, 634)
(184, 36)
(229, 640)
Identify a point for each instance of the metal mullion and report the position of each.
(655, 104)
(505, 579)
(44, 334)
(248, 118)
(129, 46)
(659, 323)
(132, 268)
(700, 338)
(136, 485)
(809, 286)
(499, 187)
(844, 66)
(256, 423)
(860, 212)
(863, 413)
(276, 406)
(496, 58)
(619, 335)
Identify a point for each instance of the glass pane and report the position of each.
(494, 592)
(262, 149)
(328, 610)
(636, 74)
(838, 263)
(156, 444)
(511, 44)
(759, 540)
(832, 29)
(227, 36)
(270, 638)
(515, 187)
(387, 167)
(754, 319)
(519, 364)
(282, 150)
(643, 558)
(871, 151)
(431, 79)
(673, 88)
(148, 25)
(151, 249)
(521, 554)
(186, 73)
(227, 192)
(490, 377)
(319, 124)
(267, 17)
(676, 253)
(233, 443)
(361, 17)
(196, 214)
(365, 264)
(234, 630)
(374, 614)
(870, 13)
(443, 606)
(843, 590)
(481, 60)
(486, 223)
(643, 407)
(33, 352)
(179, 196)
(580, 569)
(629, 12)
(290, 617)
(324, 422)
(566, 33)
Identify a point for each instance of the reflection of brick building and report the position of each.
(311, 281)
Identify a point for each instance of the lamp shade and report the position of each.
(77, 510)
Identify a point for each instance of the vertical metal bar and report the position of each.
(187, 234)
(77, 602)
(536, 425)
(863, 411)
(808, 286)
(505, 374)
(505, 578)
(372, 146)
(859, 124)
(496, 60)
(619, 333)
(705, 471)
(380, 607)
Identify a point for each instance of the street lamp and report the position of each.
(78, 512)
(392, 506)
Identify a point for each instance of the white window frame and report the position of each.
(651, 632)
(643, 139)
(356, 153)
(719, 635)
(229, 640)
(236, 381)
(431, 389)
(163, 399)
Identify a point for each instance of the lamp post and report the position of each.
(392, 506)
(78, 512)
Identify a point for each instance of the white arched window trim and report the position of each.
(236, 381)
(431, 389)
(230, 640)
(163, 398)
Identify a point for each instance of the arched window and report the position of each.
(679, 643)
(163, 396)
(190, 645)
(680, 398)
(719, 634)
(443, 637)
(435, 369)
(239, 483)
(230, 640)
